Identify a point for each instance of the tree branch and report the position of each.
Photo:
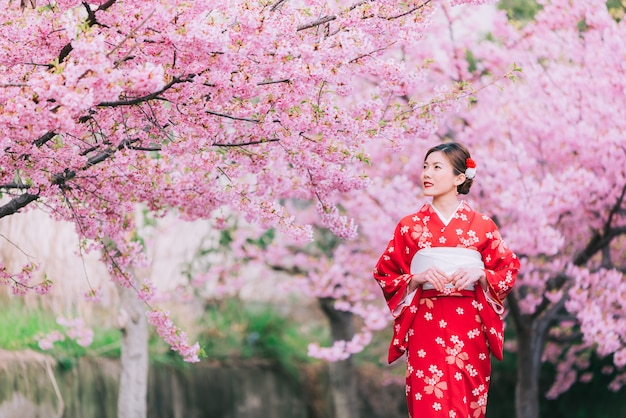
(421, 6)
(14, 186)
(317, 22)
(223, 115)
(147, 97)
(284, 80)
(596, 243)
(277, 5)
(246, 143)
(17, 203)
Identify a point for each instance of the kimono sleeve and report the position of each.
(393, 270)
(501, 264)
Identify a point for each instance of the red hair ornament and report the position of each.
(470, 171)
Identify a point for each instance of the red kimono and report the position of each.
(448, 337)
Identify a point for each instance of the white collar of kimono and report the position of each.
(445, 220)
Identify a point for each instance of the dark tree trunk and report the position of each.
(531, 332)
(342, 373)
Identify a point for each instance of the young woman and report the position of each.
(444, 275)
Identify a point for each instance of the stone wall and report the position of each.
(33, 385)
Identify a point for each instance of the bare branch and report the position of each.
(277, 5)
(39, 142)
(223, 115)
(106, 5)
(17, 203)
(242, 144)
(317, 22)
(284, 80)
(421, 6)
(14, 186)
(145, 98)
(596, 243)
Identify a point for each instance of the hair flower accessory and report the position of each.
(470, 171)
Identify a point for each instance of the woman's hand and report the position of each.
(432, 275)
(466, 276)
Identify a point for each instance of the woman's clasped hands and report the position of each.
(458, 280)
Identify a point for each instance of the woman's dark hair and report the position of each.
(457, 154)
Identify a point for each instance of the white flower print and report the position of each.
(415, 218)
(460, 310)
(418, 396)
(421, 353)
(437, 406)
(428, 316)
(404, 229)
(443, 324)
(471, 370)
(440, 341)
(456, 340)
(473, 333)
(452, 414)
(442, 240)
(419, 373)
(390, 250)
(458, 376)
(459, 232)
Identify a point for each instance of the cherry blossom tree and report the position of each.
(196, 106)
(551, 147)
(193, 107)
(549, 144)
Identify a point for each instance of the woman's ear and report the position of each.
(460, 179)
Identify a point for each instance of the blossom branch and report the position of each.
(151, 96)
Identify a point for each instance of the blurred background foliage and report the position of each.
(234, 329)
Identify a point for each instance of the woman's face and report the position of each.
(438, 178)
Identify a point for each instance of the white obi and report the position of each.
(448, 259)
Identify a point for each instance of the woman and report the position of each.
(444, 275)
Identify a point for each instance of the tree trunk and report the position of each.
(529, 349)
(133, 389)
(531, 333)
(342, 373)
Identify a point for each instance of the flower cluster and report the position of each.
(172, 335)
(75, 329)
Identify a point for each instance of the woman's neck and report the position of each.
(446, 205)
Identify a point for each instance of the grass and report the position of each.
(237, 329)
(230, 329)
(21, 325)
